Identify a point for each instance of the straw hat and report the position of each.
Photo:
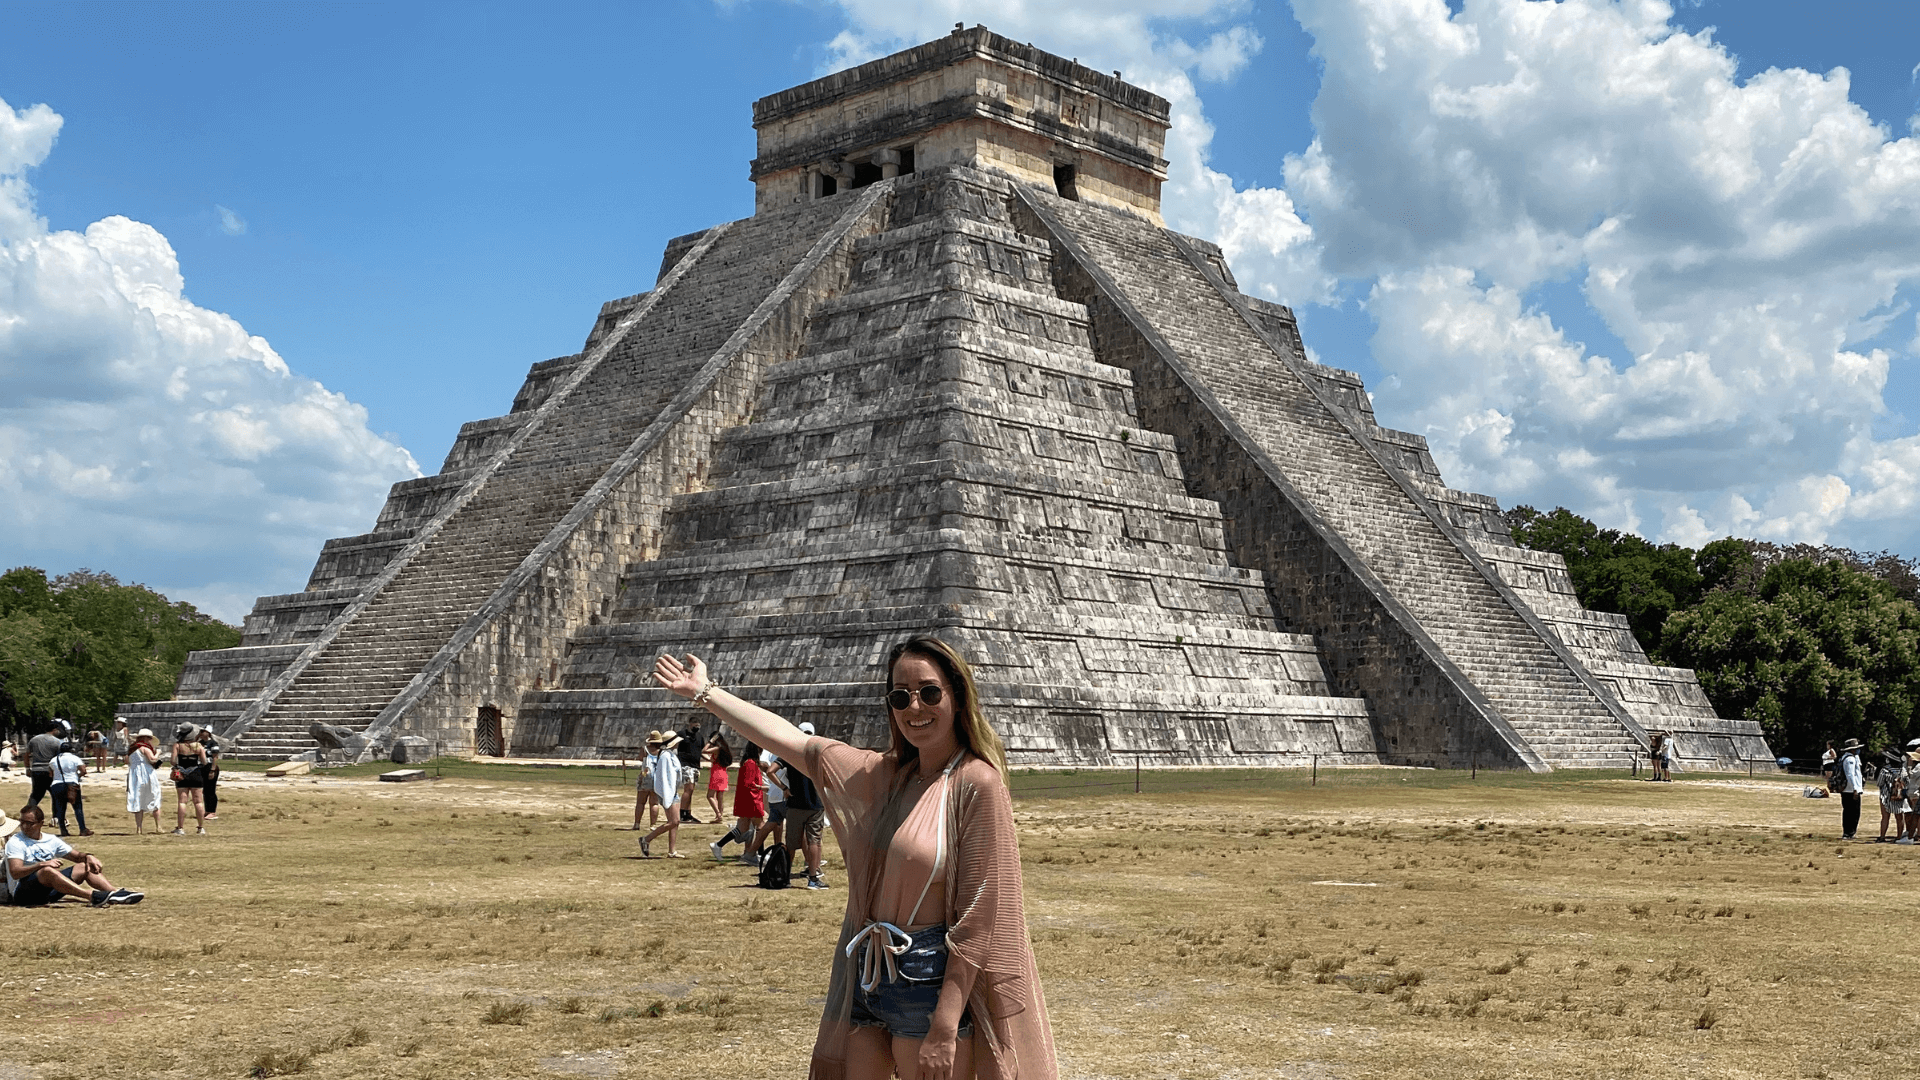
(665, 740)
(8, 826)
(1852, 744)
(144, 733)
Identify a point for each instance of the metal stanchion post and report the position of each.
(1315, 780)
(1136, 776)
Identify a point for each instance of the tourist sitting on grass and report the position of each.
(934, 970)
(34, 875)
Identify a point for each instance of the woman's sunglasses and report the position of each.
(900, 700)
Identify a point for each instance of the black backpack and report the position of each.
(776, 867)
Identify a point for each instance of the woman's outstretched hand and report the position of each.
(685, 679)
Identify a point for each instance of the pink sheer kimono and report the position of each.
(986, 921)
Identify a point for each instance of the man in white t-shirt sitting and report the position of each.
(34, 876)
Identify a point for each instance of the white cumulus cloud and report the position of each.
(146, 436)
(1742, 239)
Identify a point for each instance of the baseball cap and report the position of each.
(806, 726)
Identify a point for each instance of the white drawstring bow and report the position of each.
(886, 943)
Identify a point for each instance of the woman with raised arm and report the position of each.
(934, 976)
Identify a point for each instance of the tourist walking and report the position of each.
(719, 760)
(143, 781)
(211, 792)
(1851, 788)
(189, 779)
(68, 768)
(41, 750)
(122, 742)
(934, 971)
(806, 819)
(749, 808)
(690, 752)
(7, 754)
(644, 805)
(666, 788)
(775, 827)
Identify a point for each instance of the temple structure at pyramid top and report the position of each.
(972, 99)
(954, 375)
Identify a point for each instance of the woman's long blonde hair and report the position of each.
(975, 734)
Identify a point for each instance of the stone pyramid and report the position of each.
(953, 375)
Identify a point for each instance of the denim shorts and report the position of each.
(904, 1006)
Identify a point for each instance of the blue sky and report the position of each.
(411, 203)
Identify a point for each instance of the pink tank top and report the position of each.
(914, 862)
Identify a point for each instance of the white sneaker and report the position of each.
(715, 848)
(749, 859)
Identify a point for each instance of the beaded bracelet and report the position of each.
(701, 697)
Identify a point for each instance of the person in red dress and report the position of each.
(749, 808)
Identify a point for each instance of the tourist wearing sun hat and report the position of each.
(143, 780)
(1851, 786)
(666, 768)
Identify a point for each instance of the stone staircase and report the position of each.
(1424, 570)
(390, 637)
(946, 451)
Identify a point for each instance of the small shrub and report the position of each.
(572, 1006)
(1708, 1017)
(503, 1012)
(280, 1063)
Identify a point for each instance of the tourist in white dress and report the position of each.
(143, 780)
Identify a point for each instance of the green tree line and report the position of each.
(79, 644)
(1815, 643)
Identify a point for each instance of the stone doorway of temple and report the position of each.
(487, 740)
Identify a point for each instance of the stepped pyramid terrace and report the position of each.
(954, 374)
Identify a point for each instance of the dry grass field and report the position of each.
(498, 922)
